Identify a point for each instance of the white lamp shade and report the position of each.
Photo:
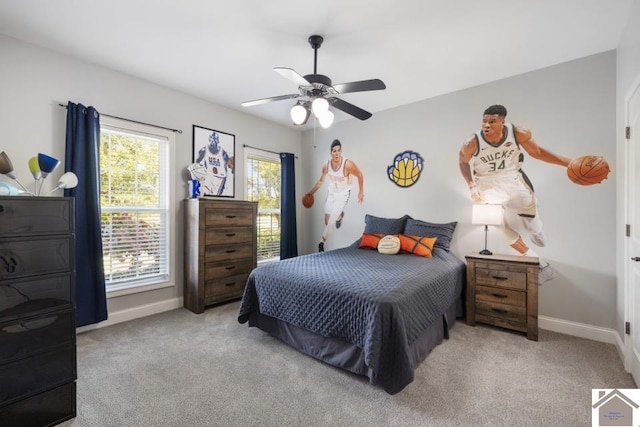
(486, 214)
(326, 119)
(299, 114)
(68, 180)
(319, 106)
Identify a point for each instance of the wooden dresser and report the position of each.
(37, 311)
(502, 290)
(220, 240)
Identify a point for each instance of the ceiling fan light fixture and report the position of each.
(319, 106)
(326, 119)
(299, 114)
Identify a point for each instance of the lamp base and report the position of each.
(486, 252)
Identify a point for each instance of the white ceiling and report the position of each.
(225, 51)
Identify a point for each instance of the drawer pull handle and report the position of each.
(230, 251)
(499, 310)
(231, 267)
(230, 234)
(9, 266)
(1, 208)
(499, 295)
(500, 277)
(231, 216)
(230, 284)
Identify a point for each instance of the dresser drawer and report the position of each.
(47, 409)
(19, 298)
(37, 334)
(21, 258)
(502, 277)
(228, 253)
(223, 288)
(37, 374)
(228, 235)
(501, 296)
(213, 271)
(25, 216)
(238, 216)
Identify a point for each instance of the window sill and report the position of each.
(130, 289)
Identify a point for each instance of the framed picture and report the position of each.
(215, 151)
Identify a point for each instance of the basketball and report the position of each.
(588, 170)
(307, 200)
(389, 245)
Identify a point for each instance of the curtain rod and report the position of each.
(262, 149)
(133, 121)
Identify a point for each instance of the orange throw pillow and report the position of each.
(370, 241)
(417, 245)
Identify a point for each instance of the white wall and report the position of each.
(570, 109)
(33, 81)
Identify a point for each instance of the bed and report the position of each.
(372, 314)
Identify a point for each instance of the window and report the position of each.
(263, 186)
(134, 194)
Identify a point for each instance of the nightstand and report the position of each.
(502, 290)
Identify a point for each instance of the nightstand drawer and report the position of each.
(501, 296)
(502, 311)
(503, 278)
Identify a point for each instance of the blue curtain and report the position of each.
(81, 157)
(289, 235)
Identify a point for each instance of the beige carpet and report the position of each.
(182, 369)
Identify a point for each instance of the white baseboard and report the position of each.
(583, 330)
(135, 313)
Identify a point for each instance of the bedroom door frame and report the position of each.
(632, 247)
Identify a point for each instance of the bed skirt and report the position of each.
(344, 355)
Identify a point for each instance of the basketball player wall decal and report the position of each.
(341, 173)
(215, 151)
(406, 168)
(491, 164)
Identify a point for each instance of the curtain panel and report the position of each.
(82, 158)
(289, 234)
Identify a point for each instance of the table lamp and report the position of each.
(486, 215)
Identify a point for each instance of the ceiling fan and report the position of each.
(318, 93)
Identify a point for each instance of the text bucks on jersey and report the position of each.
(502, 157)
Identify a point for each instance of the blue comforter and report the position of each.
(381, 303)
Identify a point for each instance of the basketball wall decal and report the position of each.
(588, 170)
(406, 168)
(307, 200)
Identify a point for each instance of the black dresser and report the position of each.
(37, 311)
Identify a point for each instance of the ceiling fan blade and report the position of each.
(361, 86)
(271, 99)
(350, 109)
(292, 75)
